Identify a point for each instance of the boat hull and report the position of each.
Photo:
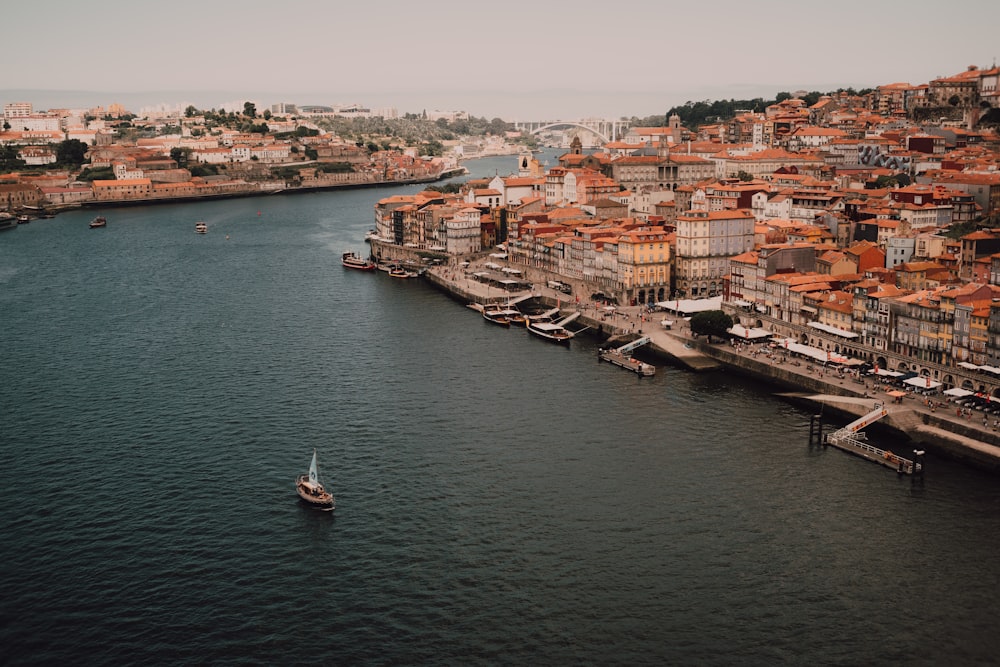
(352, 261)
(316, 497)
(559, 337)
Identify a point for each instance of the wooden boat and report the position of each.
(352, 261)
(311, 490)
(99, 221)
(496, 315)
(400, 272)
(200, 228)
(551, 331)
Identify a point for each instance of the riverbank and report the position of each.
(51, 210)
(931, 423)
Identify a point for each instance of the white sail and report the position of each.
(313, 475)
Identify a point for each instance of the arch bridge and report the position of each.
(606, 130)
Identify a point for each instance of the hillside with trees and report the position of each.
(693, 114)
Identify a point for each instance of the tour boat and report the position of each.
(352, 261)
(99, 221)
(552, 331)
(496, 315)
(400, 272)
(201, 228)
(311, 490)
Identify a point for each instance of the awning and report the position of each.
(895, 393)
(843, 333)
(966, 364)
(922, 383)
(957, 392)
(889, 374)
(990, 369)
(750, 334)
(808, 309)
(689, 306)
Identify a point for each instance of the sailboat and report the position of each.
(311, 490)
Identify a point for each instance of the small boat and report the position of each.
(23, 219)
(200, 228)
(311, 490)
(400, 272)
(7, 221)
(352, 260)
(496, 315)
(370, 235)
(551, 331)
(99, 221)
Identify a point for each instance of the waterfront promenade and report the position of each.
(966, 435)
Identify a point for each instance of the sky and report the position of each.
(516, 59)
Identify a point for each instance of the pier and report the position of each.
(622, 357)
(851, 439)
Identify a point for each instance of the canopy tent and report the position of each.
(491, 265)
(957, 392)
(811, 352)
(895, 393)
(922, 383)
(990, 369)
(843, 333)
(889, 374)
(513, 272)
(499, 255)
(690, 306)
(741, 331)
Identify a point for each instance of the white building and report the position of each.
(706, 241)
(462, 230)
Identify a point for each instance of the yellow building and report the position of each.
(644, 261)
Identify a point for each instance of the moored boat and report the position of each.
(551, 331)
(99, 221)
(353, 261)
(496, 316)
(400, 272)
(311, 490)
(200, 228)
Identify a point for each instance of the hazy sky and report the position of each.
(516, 59)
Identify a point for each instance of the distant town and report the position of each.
(864, 223)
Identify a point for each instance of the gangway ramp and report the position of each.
(851, 440)
(628, 347)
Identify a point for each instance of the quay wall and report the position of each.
(954, 439)
(940, 432)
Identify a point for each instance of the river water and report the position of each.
(500, 500)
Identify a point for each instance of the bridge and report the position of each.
(606, 130)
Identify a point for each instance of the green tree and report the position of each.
(250, 109)
(190, 111)
(267, 114)
(744, 176)
(71, 153)
(711, 323)
(9, 160)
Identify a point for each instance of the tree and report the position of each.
(267, 114)
(190, 111)
(744, 176)
(711, 323)
(250, 109)
(71, 153)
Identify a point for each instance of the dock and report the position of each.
(622, 357)
(851, 439)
